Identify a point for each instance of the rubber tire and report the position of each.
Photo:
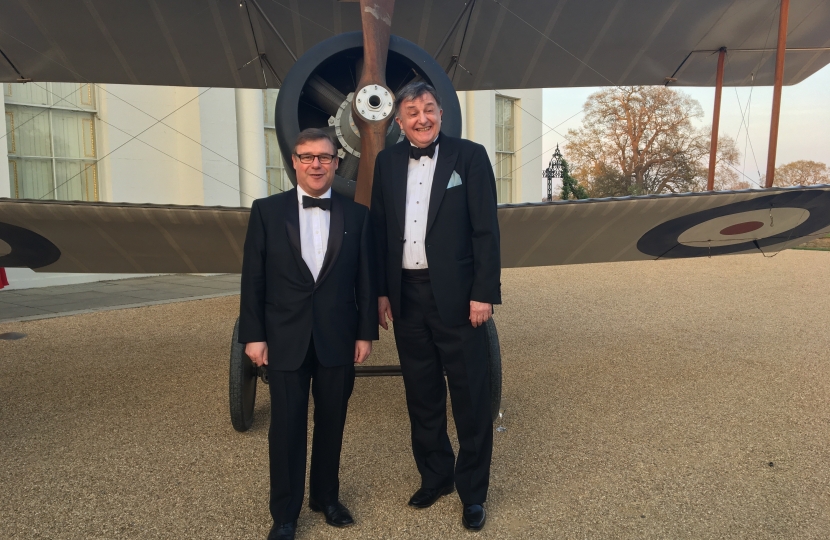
(286, 118)
(241, 385)
(494, 364)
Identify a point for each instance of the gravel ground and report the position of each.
(678, 399)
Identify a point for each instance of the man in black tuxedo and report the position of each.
(308, 312)
(434, 214)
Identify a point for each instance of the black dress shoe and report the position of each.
(283, 531)
(473, 517)
(336, 514)
(426, 497)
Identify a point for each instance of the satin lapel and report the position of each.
(292, 228)
(400, 170)
(447, 156)
(336, 228)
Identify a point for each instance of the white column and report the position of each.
(250, 141)
(5, 181)
(462, 100)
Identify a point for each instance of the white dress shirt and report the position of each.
(418, 188)
(314, 232)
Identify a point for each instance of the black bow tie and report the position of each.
(418, 153)
(314, 202)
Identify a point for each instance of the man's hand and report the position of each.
(362, 350)
(479, 312)
(257, 351)
(384, 311)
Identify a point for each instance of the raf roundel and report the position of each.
(21, 247)
(760, 223)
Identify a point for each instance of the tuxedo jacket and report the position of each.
(282, 304)
(462, 235)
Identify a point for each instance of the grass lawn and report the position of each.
(819, 244)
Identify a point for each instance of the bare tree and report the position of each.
(802, 173)
(641, 139)
(727, 176)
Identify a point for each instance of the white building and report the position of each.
(180, 145)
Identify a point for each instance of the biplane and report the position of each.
(337, 65)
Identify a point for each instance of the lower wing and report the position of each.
(52, 236)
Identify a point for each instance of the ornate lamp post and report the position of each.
(554, 170)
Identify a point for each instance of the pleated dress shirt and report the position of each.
(418, 188)
(314, 232)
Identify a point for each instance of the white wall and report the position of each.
(462, 100)
(529, 130)
(479, 125)
(481, 120)
(217, 117)
(160, 165)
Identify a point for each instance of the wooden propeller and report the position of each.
(373, 103)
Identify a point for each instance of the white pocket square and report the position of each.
(455, 180)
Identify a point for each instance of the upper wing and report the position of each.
(129, 238)
(497, 44)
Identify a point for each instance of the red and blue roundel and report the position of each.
(756, 224)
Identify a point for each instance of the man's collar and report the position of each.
(301, 192)
(435, 141)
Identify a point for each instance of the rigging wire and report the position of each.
(256, 45)
(745, 124)
(330, 31)
(745, 112)
(120, 146)
(43, 110)
(156, 120)
(9, 61)
(461, 46)
(745, 121)
(551, 149)
(745, 176)
(236, 188)
(515, 102)
(185, 135)
(566, 51)
(232, 187)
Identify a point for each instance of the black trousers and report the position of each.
(427, 347)
(287, 437)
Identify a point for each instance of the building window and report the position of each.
(505, 148)
(51, 143)
(278, 181)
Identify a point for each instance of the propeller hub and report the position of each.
(374, 103)
(347, 132)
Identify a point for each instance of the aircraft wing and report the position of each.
(483, 44)
(662, 226)
(50, 236)
(54, 236)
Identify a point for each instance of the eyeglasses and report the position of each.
(325, 159)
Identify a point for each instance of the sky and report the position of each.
(804, 131)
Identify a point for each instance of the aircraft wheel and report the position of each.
(241, 384)
(494, 363)
(317, 92)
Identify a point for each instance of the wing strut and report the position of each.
(21, 79)
(776, 93)
(713, 149)
(274, 29)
